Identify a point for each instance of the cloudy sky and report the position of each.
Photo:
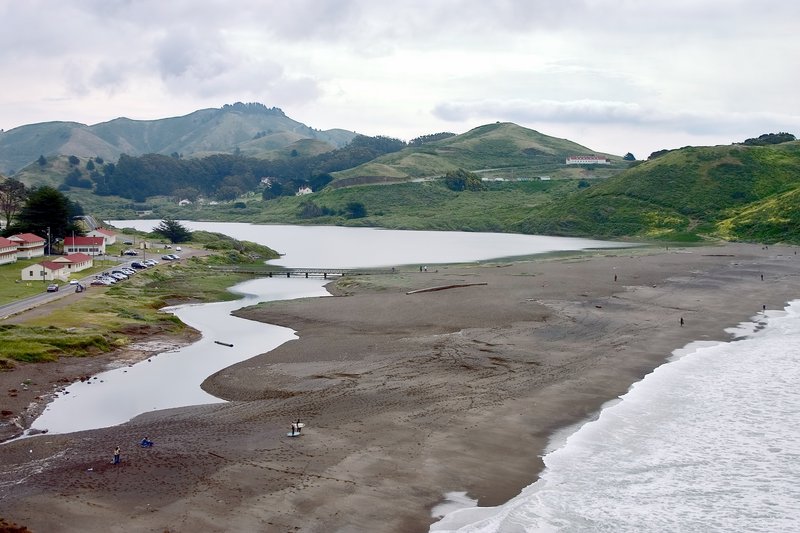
(613, 75)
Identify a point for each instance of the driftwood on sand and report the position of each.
(444, 287)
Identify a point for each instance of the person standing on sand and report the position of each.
(116, 455)
(681, 321)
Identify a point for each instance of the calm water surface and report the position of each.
(173, 379)
(338, 247)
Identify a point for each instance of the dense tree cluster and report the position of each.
(461, 180)
(225, 177)
(47, 211)
(770, 138)
(425, 139)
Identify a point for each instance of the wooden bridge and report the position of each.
(321, 272)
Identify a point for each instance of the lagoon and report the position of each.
(172, 379)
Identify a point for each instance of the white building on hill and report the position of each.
(588, 160)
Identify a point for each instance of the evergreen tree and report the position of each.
(173, 230)
(46, 210)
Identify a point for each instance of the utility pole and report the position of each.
(49, 248)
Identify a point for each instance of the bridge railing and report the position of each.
(303, 272)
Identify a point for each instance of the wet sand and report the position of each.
(405, 396)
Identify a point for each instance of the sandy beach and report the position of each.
(405, 396)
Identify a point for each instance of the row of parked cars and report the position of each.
(122, 273)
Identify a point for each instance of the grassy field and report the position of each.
(501, 149)
(12, 287)
(104, 318)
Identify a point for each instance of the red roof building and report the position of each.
(45, 271)
(85, 245)
(8, 251)
(109, 236)
(28, 245)
(75, 262)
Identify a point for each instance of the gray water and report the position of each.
(338, 247)
(172, 379)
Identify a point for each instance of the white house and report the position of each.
(45, 271)
(303, 191)
(75, 262)
(85, 245)
(8, 251)
(28, 245)
(588, 160)
(109, 236)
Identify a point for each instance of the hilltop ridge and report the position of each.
(251, 129)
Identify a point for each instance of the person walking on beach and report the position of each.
(116, 455)
(681, 321)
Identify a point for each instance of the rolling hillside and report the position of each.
(736, 192)
(500, 150)
(252, 129)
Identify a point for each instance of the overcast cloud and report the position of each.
(613, 75)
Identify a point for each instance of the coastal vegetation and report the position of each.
(496, 177)
(734, 192)
(110, 317)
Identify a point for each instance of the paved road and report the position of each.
(20, 306)
(30, 302)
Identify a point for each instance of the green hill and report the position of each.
(500, 150)
(717, 191)
(249, 128)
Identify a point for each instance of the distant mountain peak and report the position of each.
(253, 108)
(232, 128)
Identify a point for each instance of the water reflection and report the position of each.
(173, 379)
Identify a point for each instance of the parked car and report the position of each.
(99, 281)
(127, 243)
(150, 262)
(137, 265)
(121, 273)
(118, 275)
(167, 246)
(130, 252)
(128, 271)
(73, 282)
(109, 279)
(53, 287)
(177, 248)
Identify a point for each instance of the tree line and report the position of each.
(224, 176)
(41, 211)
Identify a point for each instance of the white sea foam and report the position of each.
(707, 442)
